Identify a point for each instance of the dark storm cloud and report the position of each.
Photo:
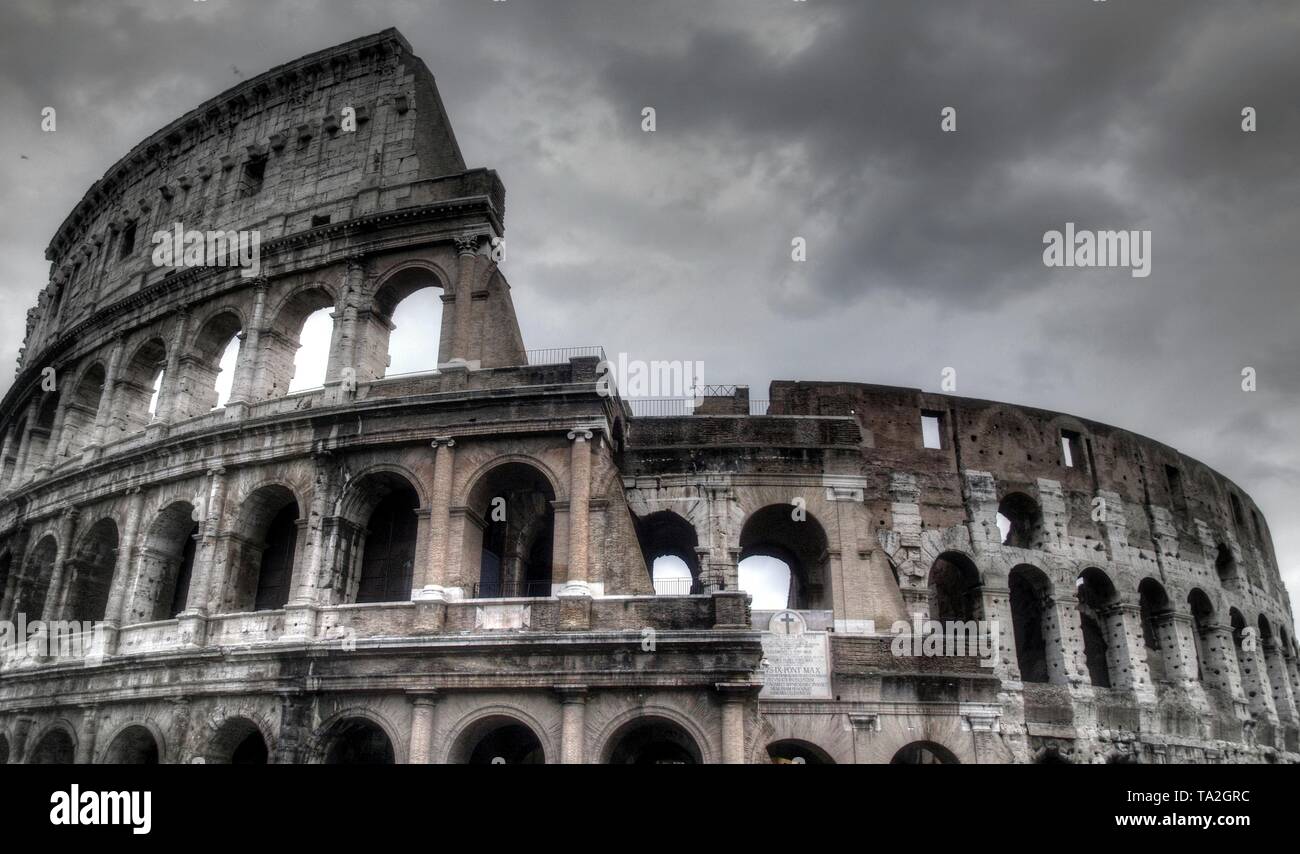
(820, 120)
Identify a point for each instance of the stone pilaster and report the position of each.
(573, 727)
(423, 706)
(432, 585)
(208, 570)
(53, 607)
(467, 264)
(734, 699)
(242, 391)
(125, 568)
(576, 584)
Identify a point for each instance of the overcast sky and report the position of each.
(817, 119)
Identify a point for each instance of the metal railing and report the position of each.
(759, 407)
(512, 590)
(676, 587)
(662, 407)
(561, 355)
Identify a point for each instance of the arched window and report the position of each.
(210, 369)
(134, 745)
(404, 328)
(1202, 620)
(92, 572)
(653, 741)
(357, 741)
(162, 585)
(296, 352)
(82, 411)
(1032, 621)
(792, 537)
(954, 588)
(515, 536)
(387, 503)
(36, 579)
(262, 563)
(668, 544)
(1225, 564)
(1156, 610)
(1097, 599)
(1020, 521)
(136, 397)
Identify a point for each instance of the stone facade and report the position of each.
(457, 565)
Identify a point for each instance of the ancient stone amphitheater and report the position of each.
(460, 565)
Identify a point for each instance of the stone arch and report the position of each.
(1225, 564)
(466, 744)
(793, 751)
(1156, 609)
(201, 363)
(380, 320)
(1024, 521)
(280, 342)
(141, 376)
(56, 745)
(264, 553)
(924, 753)
(165, 565)
(1103, 637)
(509, 535)
(133, 744)
(619, 724)
(378, 526)
(1203, 620)
(35, 580)
(4, 749)
(955, 589)
(82, 410)
(795, 537)
(1034, 624)
(667, 534)
(354, 737)
(41, 437)
(90, 572)
(650, 739)
(239, 740)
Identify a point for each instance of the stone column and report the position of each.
(86, 738)
(1283, 700)
(1221, 654)
(300, 611)
(1254, 679)
(423, 707)
(104, 415)
(123, 572)
(467, 264)
(579, 495)
(1126, 655)
(250, 350)
(206, 572)
(432, 585)
(573, 731)
(53, 607)
(734, 697)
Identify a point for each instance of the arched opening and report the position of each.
(9, 472)
(4, 750)
(357, 741)
(924, 753)
(82, 411)
(405, 325)
(42, 435)
(498, 740)
(1202, 611)
(166, 565)
(1020, 521)
(954, 588)
(6, 564)
(137, 392)
(1097, 598)
(91, 572)
(1031, 613)
(210, 366)
(36, 579)
(387, 503)
(1156, 610)
(653, 741)
(668, 544)
(264, 556)
(134, 745)
(296, 352)
(791, 751)
(791, 536)
(56, 747)
(237, 742)
(1225, 564)
(512, 529)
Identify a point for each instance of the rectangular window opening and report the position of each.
(251, 182)
(127, 245)
(1071, 449)
(932, 430)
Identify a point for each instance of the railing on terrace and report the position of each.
(676, 587)
(512, 590)
(560, 355)
(677, 407)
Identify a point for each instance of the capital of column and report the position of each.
(572, 694)
(737, 692)
(467, 244)
(581, 435)
(423, 698)
(216, 471)
(261, 283)
(446, 441)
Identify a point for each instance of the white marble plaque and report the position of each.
(505, 616)
(797, 663)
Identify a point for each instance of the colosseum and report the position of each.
(461, 565)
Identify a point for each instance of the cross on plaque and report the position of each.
(785, 620)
